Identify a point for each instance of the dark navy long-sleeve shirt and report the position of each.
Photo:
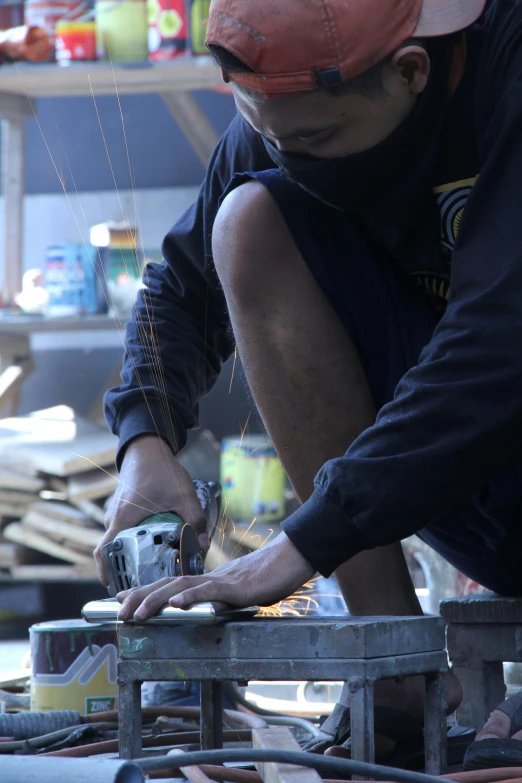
(456, 417)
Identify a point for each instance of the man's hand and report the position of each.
(261, 578)
(151, 482)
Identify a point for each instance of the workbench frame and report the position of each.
(216, 654)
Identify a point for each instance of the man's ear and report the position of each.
(414, 64)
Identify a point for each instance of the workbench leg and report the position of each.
(483, 688)
(13, 185)
(362, 722)
(435, 724)
(130, 720)
(211, 715)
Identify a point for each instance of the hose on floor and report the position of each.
(323, 764)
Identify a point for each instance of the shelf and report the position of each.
(25, 324)
(21, 83)
(51, 80)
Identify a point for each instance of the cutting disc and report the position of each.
(190, 553)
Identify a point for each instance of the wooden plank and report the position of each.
(7, 555)
(68, 457)
(280, 738)
(48, 80)
(15, 504)
(62, 512)
(90, 486)
(13, 479)
(53, 573)
(193, 122)
(13, 167)
(62, 532)
(16, 677)
(193, 774)
(18, 534)
(92, 511)
(17, 498)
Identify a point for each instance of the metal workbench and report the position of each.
(359, 650)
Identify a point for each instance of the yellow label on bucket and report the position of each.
(253, 479)
(73, 668)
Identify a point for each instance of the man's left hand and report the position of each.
(261, 578)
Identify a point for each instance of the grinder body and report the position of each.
(160, 546)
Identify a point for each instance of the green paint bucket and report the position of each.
(253, 479)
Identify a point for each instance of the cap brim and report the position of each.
(443, 17)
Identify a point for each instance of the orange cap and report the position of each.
(301, 45)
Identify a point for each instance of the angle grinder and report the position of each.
(162, 545)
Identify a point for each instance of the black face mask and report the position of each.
(395, 174)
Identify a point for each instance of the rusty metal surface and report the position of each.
(276, 638)
(484, 608)
(233, 669)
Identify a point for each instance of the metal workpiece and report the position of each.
(106, 611)
(360, 651)
(46, 769)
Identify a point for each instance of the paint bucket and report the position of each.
(122, 30)
(252, 478)
(198, 15)
(167, 29)
(73, 667)
(75, 41)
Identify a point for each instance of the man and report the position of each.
(370, 262)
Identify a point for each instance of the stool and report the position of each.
(483, 631)
(360, 651)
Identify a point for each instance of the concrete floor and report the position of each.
(11, 654)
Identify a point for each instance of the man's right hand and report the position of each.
(151, 482)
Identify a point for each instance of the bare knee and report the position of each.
(249, 240)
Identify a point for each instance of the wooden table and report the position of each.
(16, 361)
(21, 83)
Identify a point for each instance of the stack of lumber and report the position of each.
(56, 474)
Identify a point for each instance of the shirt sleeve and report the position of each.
(456, 418)
(178, 336)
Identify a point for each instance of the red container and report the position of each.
(75, 41)
(46, 13)
(168, 29)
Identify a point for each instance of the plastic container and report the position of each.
(122, 30)
(198, 11)
(253, 479)
(46, 13)
(75, 41)
(70, 279)
(168, 29)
